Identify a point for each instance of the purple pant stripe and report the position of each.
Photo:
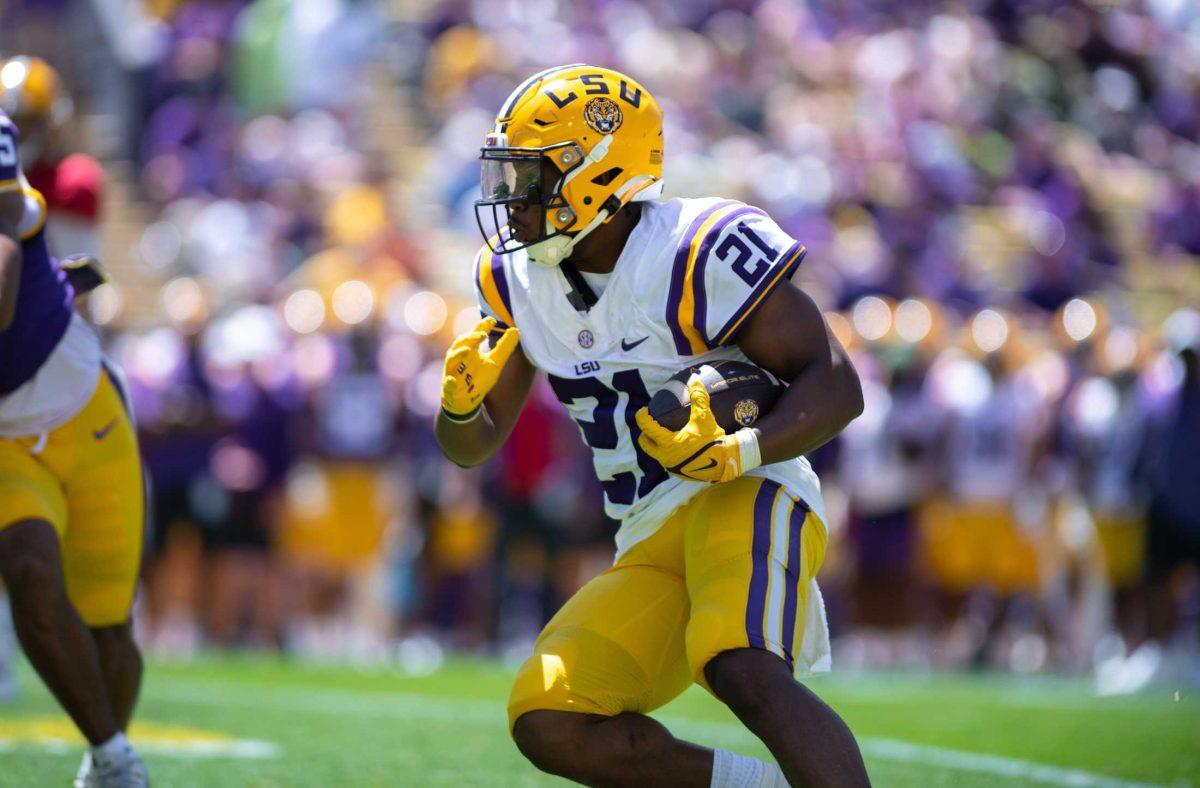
(756, 602)
(791, 593)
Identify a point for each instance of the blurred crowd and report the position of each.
(1001, 202)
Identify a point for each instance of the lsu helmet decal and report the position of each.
(603, 115)
(575, 142)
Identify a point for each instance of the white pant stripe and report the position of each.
(776, 574)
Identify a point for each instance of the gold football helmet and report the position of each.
(579, 141)
(31, 94)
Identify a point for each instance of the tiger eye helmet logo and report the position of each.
(745, 412)
(603, 115)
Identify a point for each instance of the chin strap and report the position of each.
(553, 251)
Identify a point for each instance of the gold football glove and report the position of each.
(472, 369)
(701, 451)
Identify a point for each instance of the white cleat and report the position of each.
(84, 777)
(1125, 676)
(125, 772)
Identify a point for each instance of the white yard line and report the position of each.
(233, 748)
(251, 749)
(1037, 693)
(980, 763)
(716, 732)
(407, 705)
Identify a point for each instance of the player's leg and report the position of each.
(752, 552)
(102, 547)
(33, 515)
(121, 666)
(625, 749)
(55, 640)
(1122, 539)
(811, 743)
(614, 651)
(102, 550)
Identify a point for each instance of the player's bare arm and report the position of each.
(483, 392)
(12, 208)
(824, 394)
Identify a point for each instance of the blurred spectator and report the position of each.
(887, 465)
(1174, 485)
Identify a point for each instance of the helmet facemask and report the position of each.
(526, 176)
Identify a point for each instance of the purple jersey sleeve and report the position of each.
(732, 257)
(750, 256)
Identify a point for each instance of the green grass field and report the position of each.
(264, 722)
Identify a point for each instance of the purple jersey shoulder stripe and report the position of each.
(710, 240)
(678, 272)
(760, 558)
(783, 270)
(791, 591)
(500, 284)
(501, 279)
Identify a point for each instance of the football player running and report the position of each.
(610, 290)
(71, 497)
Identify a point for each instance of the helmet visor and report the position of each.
(507, 177)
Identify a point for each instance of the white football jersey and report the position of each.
(991, 446)
(691, 273)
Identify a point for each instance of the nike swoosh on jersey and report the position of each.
(102, 433)
(627, 346)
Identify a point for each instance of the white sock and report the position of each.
(739, 771)
(115, 750)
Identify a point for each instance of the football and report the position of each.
(740, 394)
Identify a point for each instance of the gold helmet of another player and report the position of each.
(598, 135)
(31, 94)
